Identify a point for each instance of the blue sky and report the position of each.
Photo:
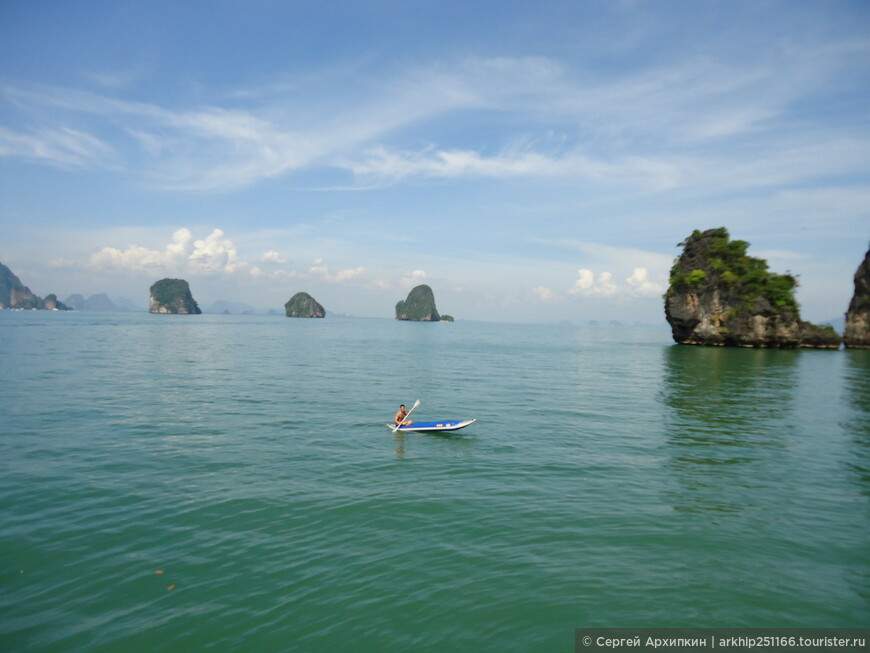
(530, 161)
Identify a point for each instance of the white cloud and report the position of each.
(136, 257)
(641, 285)
(545, 294)
(271, 257)
(258, 273)
(584, 281)
(382, 166)
(341, 276)
(586, 284)
(415, 278)
(658, 126)
(344, 275)
(62, 147)
(215, 254)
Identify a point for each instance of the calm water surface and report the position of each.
(179, 483)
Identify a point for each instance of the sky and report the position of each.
(531, 162)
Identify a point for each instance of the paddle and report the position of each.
(407, 415)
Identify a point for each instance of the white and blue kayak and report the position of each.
(428, 427)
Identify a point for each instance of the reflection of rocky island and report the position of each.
(14, 294)
(173, 296)
(720, 296)
(419, 306)
(303, 305)
(857, 335)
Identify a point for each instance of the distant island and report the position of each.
(419, 306)
(15, 295)
(718, 295)
(857, 330)
(100, 302)
(303, 305)
(173, 296)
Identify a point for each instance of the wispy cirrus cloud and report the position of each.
(61, 147)
(385, 167)
(657, 127)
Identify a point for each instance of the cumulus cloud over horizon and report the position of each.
(415, 278)
(215, 254)
(639, 284)
(587, 284)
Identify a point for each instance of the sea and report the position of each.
(228, 483)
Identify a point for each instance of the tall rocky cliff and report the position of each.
(857, 334)
(419, 306)
(173, 296)
(720, 296)
(14, 294)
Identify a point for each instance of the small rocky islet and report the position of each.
(304, 305)
(172, 296)
(419, 306)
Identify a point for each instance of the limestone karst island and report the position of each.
(857, 334)
(303, 305)
(718, 295)
(14, 294)
(420, 307)
(172, 296)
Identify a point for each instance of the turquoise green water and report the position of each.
(612, 480)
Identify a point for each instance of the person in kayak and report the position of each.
(400, 416)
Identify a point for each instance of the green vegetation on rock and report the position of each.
(173, 296)
(303, 305)
(719, 295)
(726, 263)
(419, 306)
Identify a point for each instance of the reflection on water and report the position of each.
(399, 438)
(726, 409)
(727, 397)
(856, 379)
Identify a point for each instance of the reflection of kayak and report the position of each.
(443, 425)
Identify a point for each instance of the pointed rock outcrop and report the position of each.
(419, 306)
